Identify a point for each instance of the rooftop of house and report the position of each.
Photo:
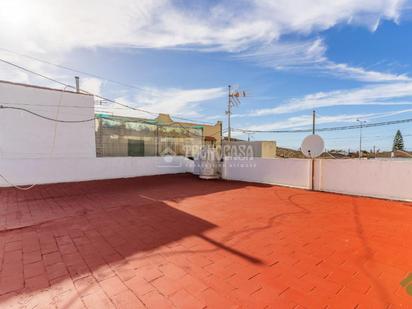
(178, 241)
(45, 88)
(162, 119)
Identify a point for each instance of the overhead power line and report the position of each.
(64, 67)
(90, 93)
(110, 80)
(35, 73)
(179, 125)
(386, 123)
(73, 87)
(342, 128)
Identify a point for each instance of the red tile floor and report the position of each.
(179, 242)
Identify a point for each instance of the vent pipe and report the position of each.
(77, 84)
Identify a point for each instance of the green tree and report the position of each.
(398, 141)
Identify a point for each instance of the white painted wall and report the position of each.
(189, 166)
(390, 179)
(23, 135)
(286, 172)
(38, 151)
(55, 170)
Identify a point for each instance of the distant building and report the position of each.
(256, 149)
(27, 132)
(401, 154)
(128, 136)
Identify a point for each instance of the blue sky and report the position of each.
(345, 59)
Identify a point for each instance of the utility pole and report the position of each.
(360, 136)
(313, 160)
(360, 141)
(313, 121)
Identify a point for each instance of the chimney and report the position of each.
(77, 84)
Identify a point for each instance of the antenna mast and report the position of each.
(232, 100)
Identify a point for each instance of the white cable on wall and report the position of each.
(15, 186)
(56, 123)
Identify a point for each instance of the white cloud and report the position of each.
(49, 28)
(309, 56)
(345, 71)
(307, 16)
(305, 121)
(382, 94)
(176, 102)
(287, 55)
(92, 85)
(60, 26)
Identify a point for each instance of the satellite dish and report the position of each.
(312, 146)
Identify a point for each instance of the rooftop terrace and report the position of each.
(177, 241)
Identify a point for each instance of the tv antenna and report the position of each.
(233, 100)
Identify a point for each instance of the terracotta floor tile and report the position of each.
(139, 286)
(126, 300)
(175, 241)
(113, 286)
(156, 300)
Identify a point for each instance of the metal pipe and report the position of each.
(77, 84)
(313, 160)
(313, 121)
(229, 111)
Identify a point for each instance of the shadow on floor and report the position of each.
(43, 203)
(84, 227)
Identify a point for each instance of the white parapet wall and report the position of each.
(25, 135)
(391, 179)
(286, 172)
(56, 170)
(35, 150)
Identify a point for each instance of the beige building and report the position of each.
(256, 149)
(127, 136)
(211, 134)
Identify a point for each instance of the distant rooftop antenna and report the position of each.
(249, 136)
(77, 84)
(233, 100)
